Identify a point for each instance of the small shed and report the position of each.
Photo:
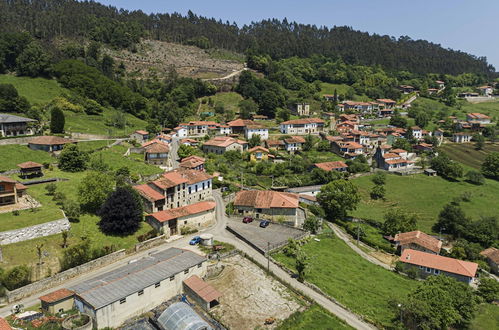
(57, 301)
(203, 293)
(206, 239)
(30, 169)
(430, 172)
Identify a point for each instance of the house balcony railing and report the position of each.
(7, 192)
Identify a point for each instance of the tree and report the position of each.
(185, 151)
(446, 167)
(309, 142)
(475, 177)
(33, 61)
(301, 264)
(57, 120)
(338, 197)
(401, 143)
(93, 191)
(153, 128)
(440, 302)
(122, 176)
(65, 237)
(11, 101)
(17, 277)
(121, 214)
(484, 231)
(72, 210)
(479, 141)
(488, 289)
(311, 224)
(283, 114)
(379, 178)
(51, 188)
(398, 221)
(255, 140)
(378, 192)
(452, 220)
(421, 119)
(76, 255)
(398, 121)
(490, 166)
(72, 159)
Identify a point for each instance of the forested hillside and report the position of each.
(48, 19)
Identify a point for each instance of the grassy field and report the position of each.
(425, 196)
(93, 145)
(363, 287)
(36, 90)
(467, 154)
(230, 100)
(96, 124)
(327, 88)
(486, 318)
(488, 108)
(13, 154)
(314, 317)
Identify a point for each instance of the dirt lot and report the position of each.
(155, 57)
(249, 296)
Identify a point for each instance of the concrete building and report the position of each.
(157, 153)
(221, 144)
(431, 264)
(204, 294)
(11, 125)
(417, 240)
(49, 143)
(267, 204)
(175, 189)
(302, 126)
(294, 143)
(199, 128)
(256, 129)
(170, 222)
(140, 136)
(462, 137)
(58, 301)
(302, 109)
(131, 290)
(478, 118)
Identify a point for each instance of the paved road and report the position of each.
(174, 145)
(230, 75)
(221, 234)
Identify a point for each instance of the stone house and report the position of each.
(332, 166)
(267, 204)
(221, 144)
(193, 163)
(492, 256)
(294, 143)
(11, 125)
(302, 109)
(303, 126)
(49, 143)
(462, 137)
(157, 153)
(417, 240)
(140, 136)
(58, 301)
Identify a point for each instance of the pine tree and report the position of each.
(57, 121)
(121, 213)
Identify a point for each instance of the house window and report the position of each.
(203, 185)
(172, 278)
(428, 269)
(140, 293)
(122, 301)
(186, 271)
(190, 189)
(185, 222)
(157, 285)
(436, 271)
(209, 184)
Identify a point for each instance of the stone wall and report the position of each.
(27, 233)
(19, 140)
(59, 278)
(150, 243)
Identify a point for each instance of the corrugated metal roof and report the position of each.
(105, 289)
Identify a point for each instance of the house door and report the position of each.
(172, 224)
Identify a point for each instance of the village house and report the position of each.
(492, 256)
(4, 325)
(266, 204)
(194, 216)
(259, 153)
(432, 264)
(220, 145)
(353, 118)
(467, 94)
(329, 97)
(238, 126)
(256, 129)
(275, 144)
(362, 107)
(193, 163)
(406, 89)
(383, 113)
(199, 127)
(10, 191)
(30, 169)
(328, 116)
(440, 84)
(294, 143)
(332, 166)
(486, 90)
(58, 301)
(432, 91)
(180, 132)
(259, 117)
(348, 149)
(462, 137)
(417, 240)
(346, 126)
(224, 130)
(49, 143)
(189, 142)
(174, 189)
(11, 125)
(392, 160)
(137, 287)
(477, 117)
(202, 293)
(386, 103)
(417, 132)
(423, 147)
(302, 109)
(302, 126)
(139, 136)
(156, 153)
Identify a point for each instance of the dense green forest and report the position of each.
(48, 19)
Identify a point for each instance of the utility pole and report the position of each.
(268, 257)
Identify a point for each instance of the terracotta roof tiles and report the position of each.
(419, 238)
(265, 199)
(149, 193)
(202, 289)
(329, 166)
(56, 295)
(167, 215)
(50, 140)
(449, 265)
(30, 164)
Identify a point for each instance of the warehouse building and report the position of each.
(138, 287)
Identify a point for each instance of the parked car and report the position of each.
(195, 240)
(264, 223)
(247, 219)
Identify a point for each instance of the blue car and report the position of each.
(195, 240)
(264, 223)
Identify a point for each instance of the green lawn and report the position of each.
(36, 90)
(486, 318)
(363, 287)
(327, 88)
(315, 317)
(96, 124)
(230, 100)
(93, 145)
(467, 154)
(13, 154)
(425, 196)
(488, 108)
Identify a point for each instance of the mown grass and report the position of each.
(343, 89)
(489, 108)
(425, 196)
(467, 154)
(93, 145)
(230, 101)
(363, 287)
(96, 124)
(36, 90)
(314, 317)
(13, 154)
(486, 318)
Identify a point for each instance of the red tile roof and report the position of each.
(192, 176)
(419, 238)
(241, 123)
(295, 139)
(477, 115)
(183, 211)
(391, 155)
(265, 199)
(303, 121)
(157, 148)
(329, 166)
(223, 141)
(141, 132)
(258, 148)
(492, 254)
(398, 151)
(202, 289)
(29, 165)
(50, 140)
(149, 193)
(192, 162)
(397, 161)
(56, 296)
(386, 101)
(169, 180)
(449, 265)
(4, 325)
(188, 140)
(274, 143)
(199, 123)
(6, 179)
(20, 186)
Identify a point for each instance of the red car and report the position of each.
(247, 219)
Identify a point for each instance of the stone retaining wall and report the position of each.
(150, 243)
(27, 233)
(59, 278)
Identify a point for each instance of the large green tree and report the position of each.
(337, 198)
(93, 190)
(399, 221)
(33, 61)
(452, 220)
(121, 214)
(72, 159)
(57, 121)
(490, 167)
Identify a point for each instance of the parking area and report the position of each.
(263, 239)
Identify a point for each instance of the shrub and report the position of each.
(187, 230)
(17, 277)
(51, 188)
